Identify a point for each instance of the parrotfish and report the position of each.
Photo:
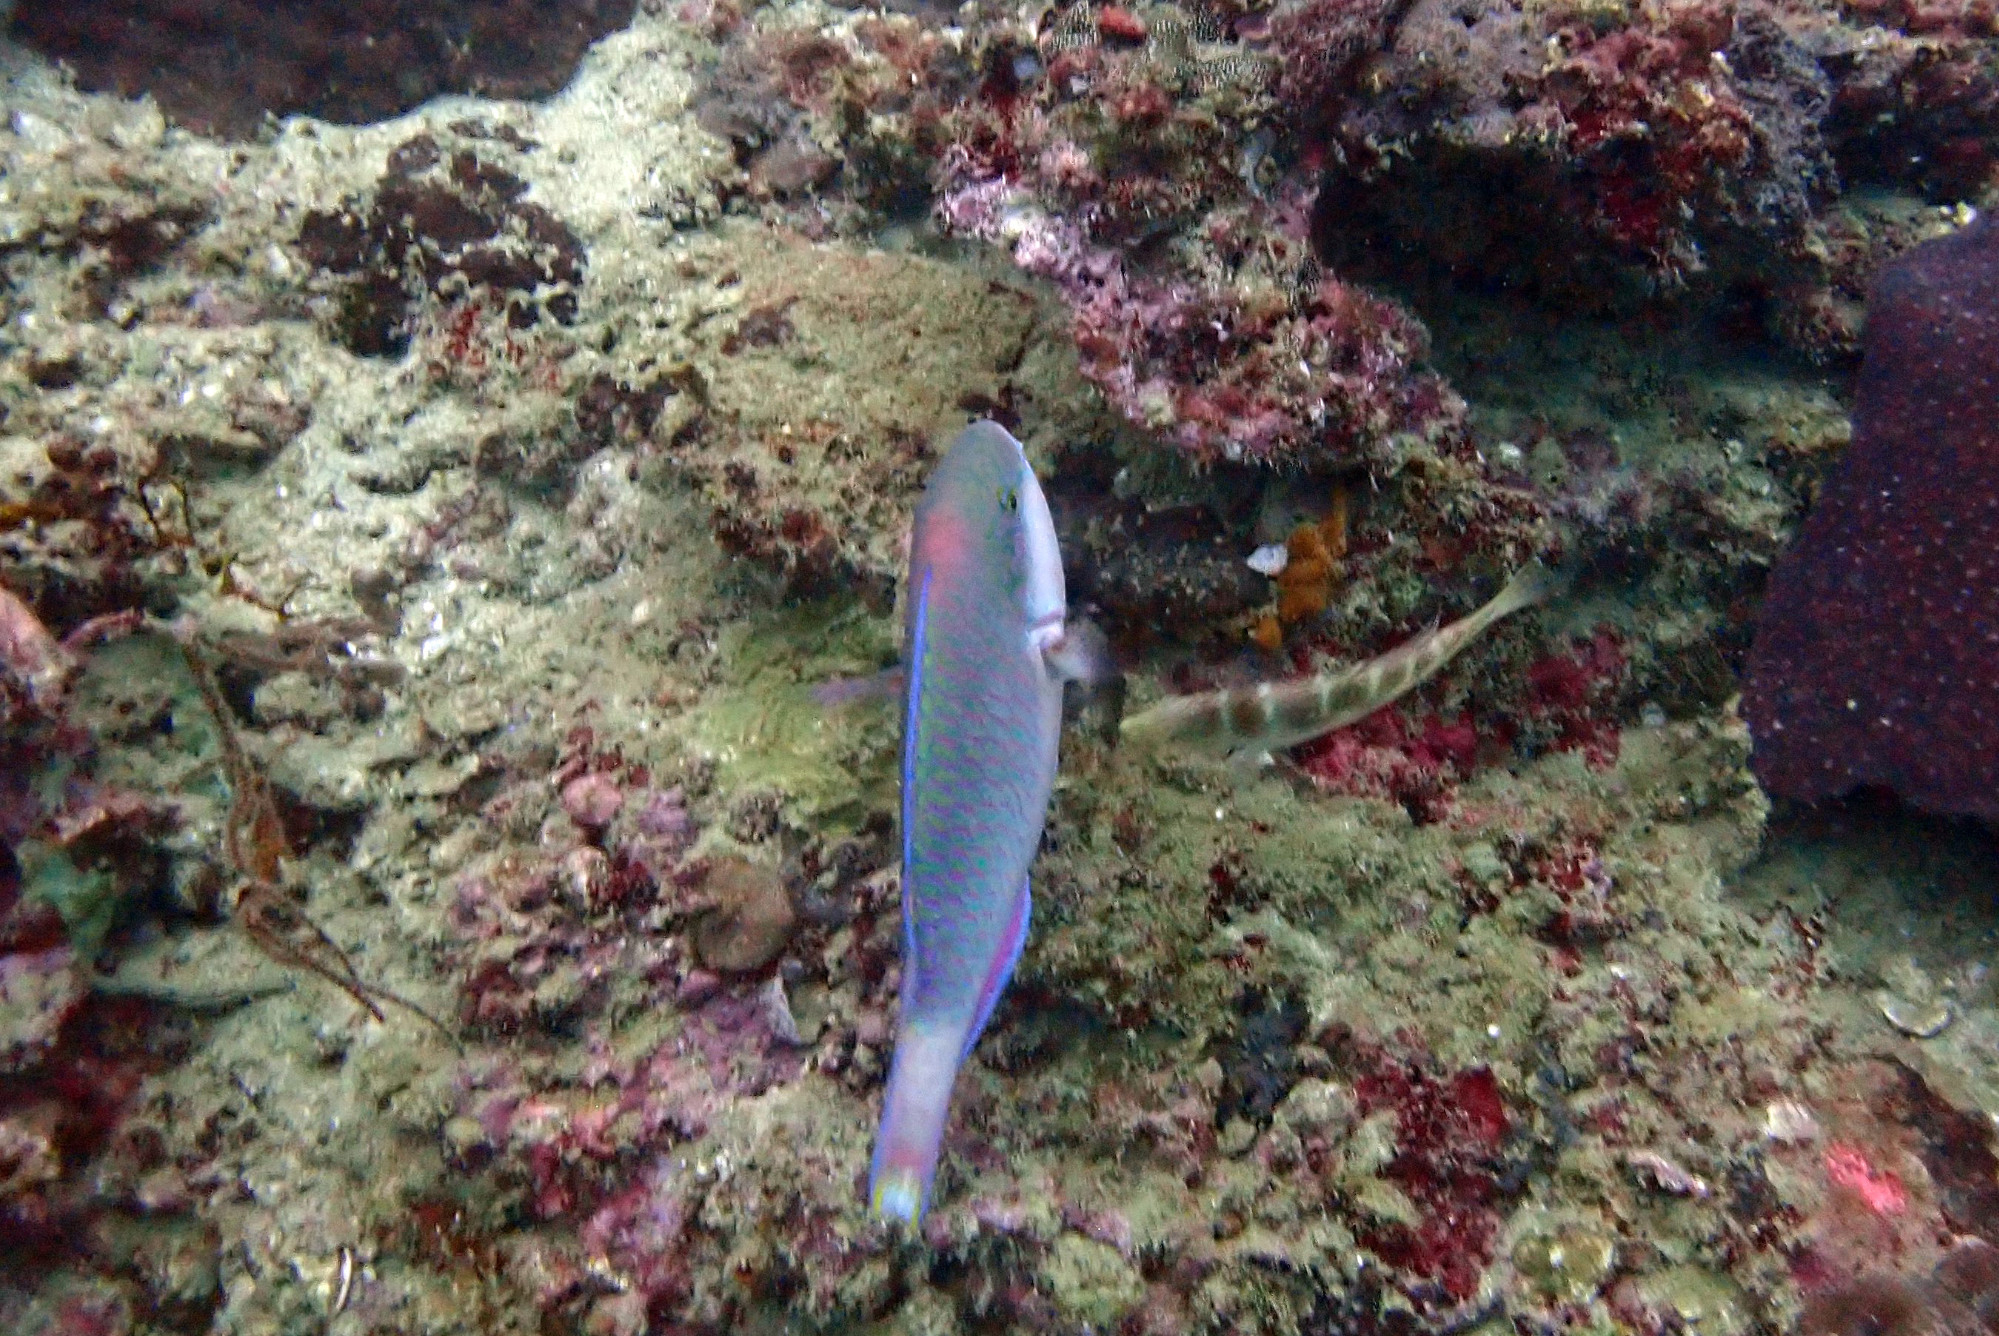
(1252, 722)
(987, 650)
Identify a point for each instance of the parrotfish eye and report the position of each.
(1009, 499)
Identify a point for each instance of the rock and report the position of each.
(592, 800)
(1873, 661)
(750, 922)
(38, 991)
(696, 987)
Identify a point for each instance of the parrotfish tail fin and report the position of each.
(927, 1058)
(912, 1126)
(841, 692)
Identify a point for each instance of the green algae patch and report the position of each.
(1091, 1281)
(1566, 1264)
(83, 878)
(765, 731)
(1703, 1300)
(86, 900)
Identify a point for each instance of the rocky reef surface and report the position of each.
(433, 901)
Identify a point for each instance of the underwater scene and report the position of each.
(1287, 667)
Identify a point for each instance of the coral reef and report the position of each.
(1248, 354)
(1890, 569)
(1649, 135)
(512, 470)
(1611, 155)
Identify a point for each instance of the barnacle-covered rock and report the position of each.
(750, 921)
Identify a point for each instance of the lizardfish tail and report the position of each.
(1531, 584)
(912, 1126)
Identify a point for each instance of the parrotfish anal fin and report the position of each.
(1002, 967)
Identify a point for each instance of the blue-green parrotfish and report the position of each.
(987, 650)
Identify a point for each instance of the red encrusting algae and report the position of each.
(1448, 1134)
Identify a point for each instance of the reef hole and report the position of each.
(221, 66)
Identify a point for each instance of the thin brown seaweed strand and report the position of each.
(282, 931)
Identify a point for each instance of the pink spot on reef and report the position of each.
(1881, 1190)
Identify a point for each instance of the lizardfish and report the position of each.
(1252, 722)
(987, 650)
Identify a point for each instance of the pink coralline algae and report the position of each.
(1572, 697)
(1876, 662)
(1880, 1190)
(1448, 1133)
(1393, 755)
(614, 916)
(1307, 378)
(592, 800)
(1416, 757)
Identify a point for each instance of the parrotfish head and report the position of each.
(984, 506)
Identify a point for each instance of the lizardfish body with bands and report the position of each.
(1252, 722)
(987, 652)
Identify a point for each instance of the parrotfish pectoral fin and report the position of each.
(841, 692)
(1080, 654)
(912, 1126)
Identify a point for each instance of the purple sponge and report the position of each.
(1876, 660)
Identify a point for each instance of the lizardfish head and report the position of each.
(984, 506)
